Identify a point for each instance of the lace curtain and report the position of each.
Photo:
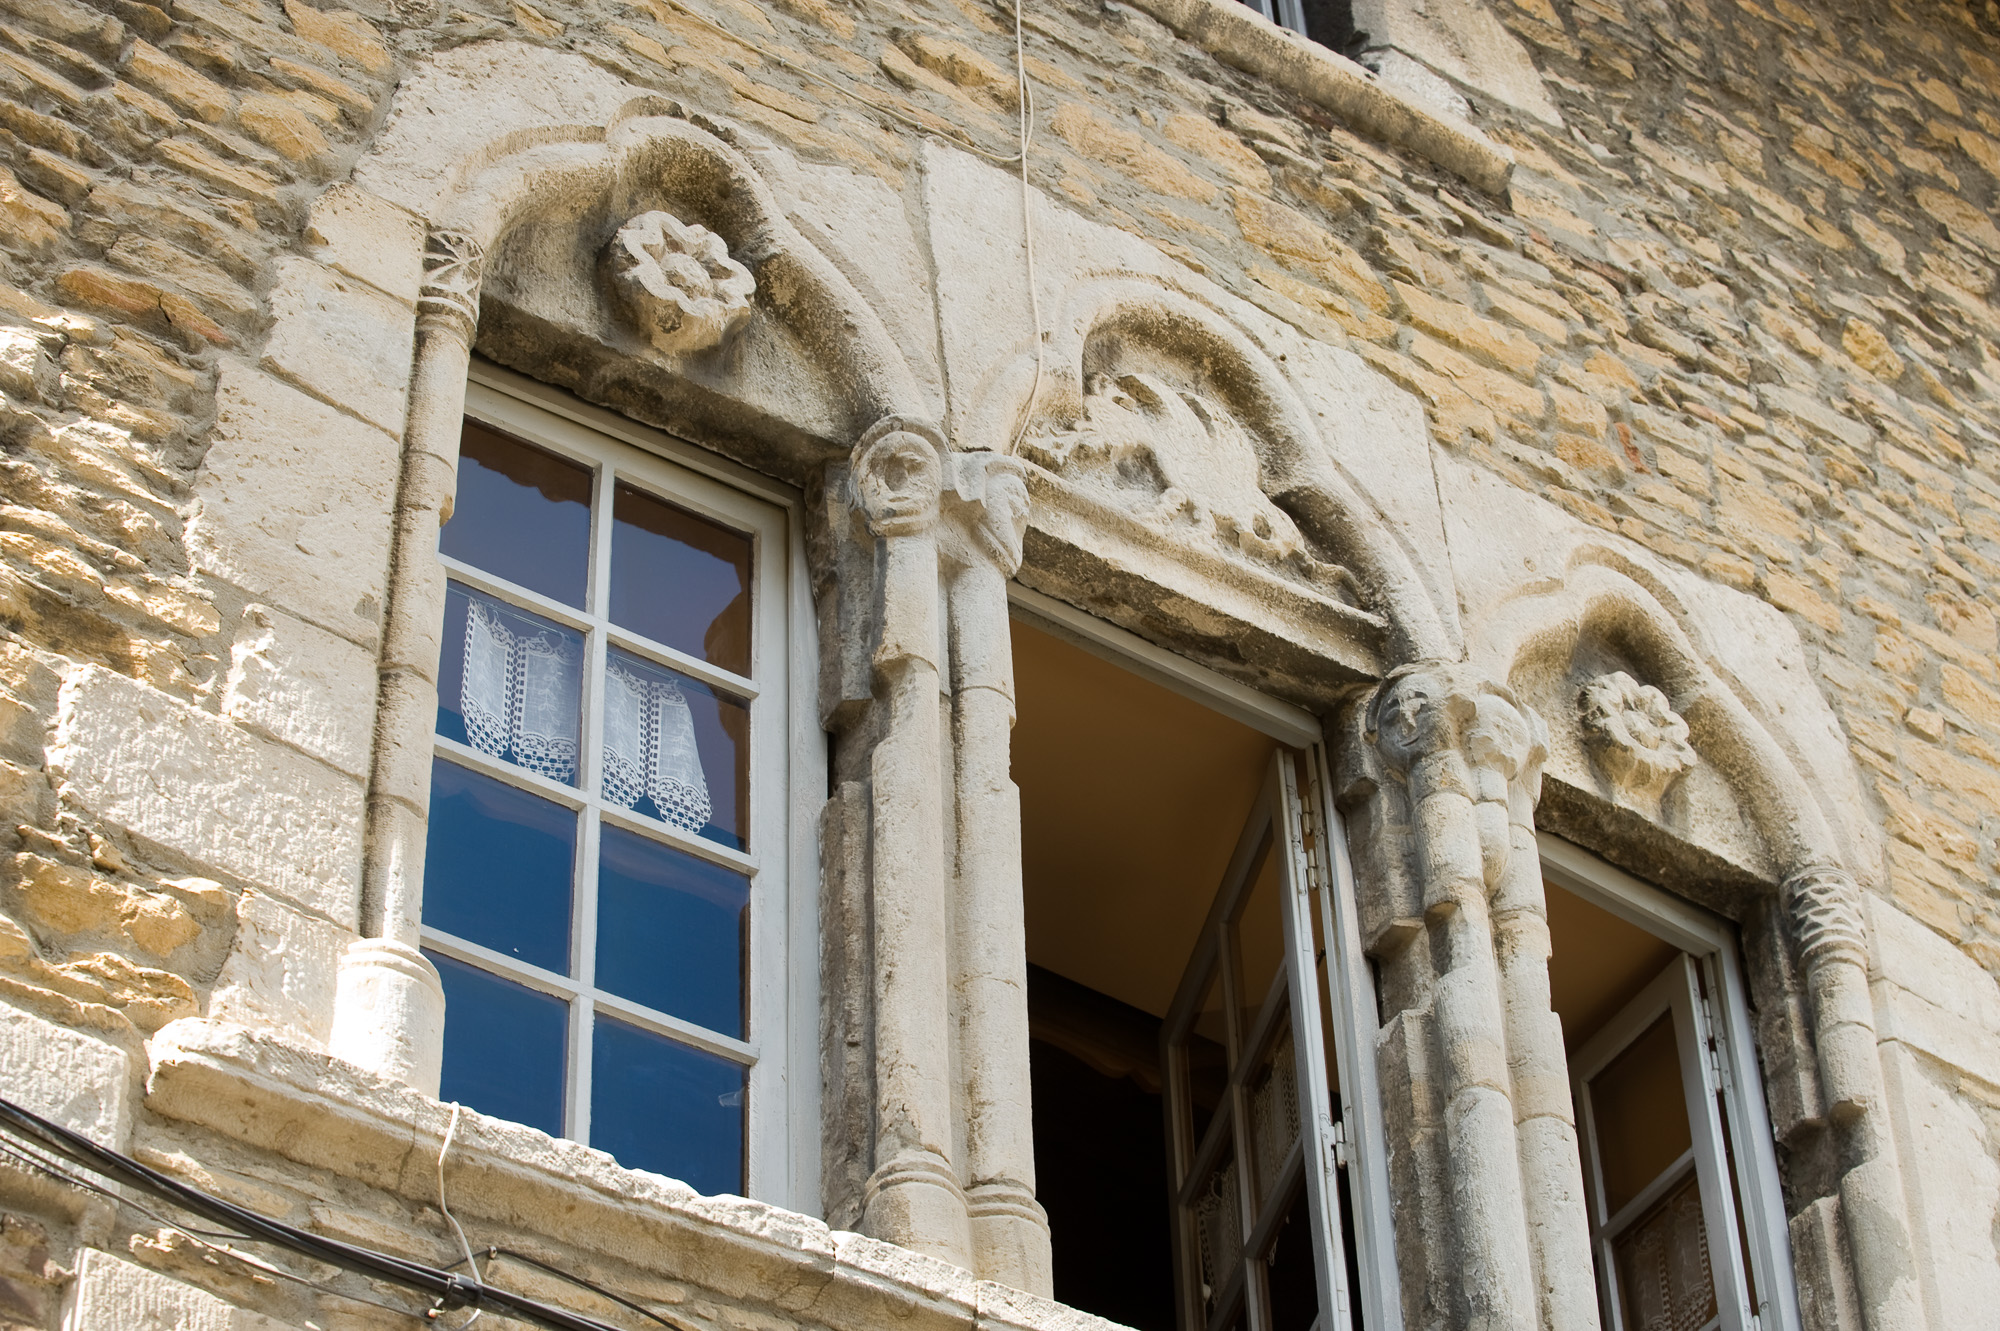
(522, 698)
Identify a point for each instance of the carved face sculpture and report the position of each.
(1408, 717)
(897, 481)
(678, 282)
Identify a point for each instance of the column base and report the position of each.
(914, 1202)
(1010, 1238)
(388, 1013)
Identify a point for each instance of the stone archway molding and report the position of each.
(1605, 595)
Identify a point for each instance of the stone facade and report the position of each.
(1588, 411)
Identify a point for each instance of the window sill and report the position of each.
(1239, 36)
(330, 1116)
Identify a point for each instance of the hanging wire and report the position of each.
(444, 1149)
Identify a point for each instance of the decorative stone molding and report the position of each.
(1823, 907)
(448, 299)
(676, 280)
(988, 498)
(1639, 741)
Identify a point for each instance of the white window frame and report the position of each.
(1710, 944)
(787, 758)
(1359, 1145)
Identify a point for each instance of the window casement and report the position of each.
(607, 865)
(1686, 1218)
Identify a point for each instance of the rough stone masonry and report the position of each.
(1696, 294)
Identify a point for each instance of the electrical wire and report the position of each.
(444, 1150)
(515, 1255)
(449, 1291)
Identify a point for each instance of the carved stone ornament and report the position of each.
(449, 295)
(676, 280)
(1824, 908)
(898, 480)
(1177, 458)
(1639, 741)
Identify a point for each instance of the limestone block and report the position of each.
(1462, 40)
(369, 238)
(60, 1074)
(203, 788)
(1953, 1182)
(342, 339)
(1931, 996)
(292, 503)
(112, 1294)
(299, 683)
(281, 971)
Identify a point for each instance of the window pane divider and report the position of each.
(499, 963)
(661, 1023)
(1670, 1178)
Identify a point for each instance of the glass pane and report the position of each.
(1260, 941)
(671, 930)
(497, 866)
(1207, 1059)
(662, 1106)
(680, 579)
(676, 750)
(521, 514)
(504, 1046)
(1664, 1277)
(1640, 1114)
(510, 684)
(1294, 1273)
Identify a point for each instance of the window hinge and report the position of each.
(1718, 1066)
(1337, 1139)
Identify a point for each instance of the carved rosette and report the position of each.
(1639, 741)
(676, 281)
(448, 299)
(1823, 907)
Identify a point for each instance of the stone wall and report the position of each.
(1738, 306)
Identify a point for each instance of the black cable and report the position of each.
(451, 1291)
(514, 1255)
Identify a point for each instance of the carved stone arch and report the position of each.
(1151, 386)
(1604, 597)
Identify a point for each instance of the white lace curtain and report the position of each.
(523, 691)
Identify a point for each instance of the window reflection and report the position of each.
(662, 1106)
(671, 931)
(680, 579)
(504, 1046)
(497, 866)
(520, 514)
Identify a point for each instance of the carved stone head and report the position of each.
(1639, 741)
(898, 480)
(678, 283)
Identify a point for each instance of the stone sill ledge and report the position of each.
(1238, 35)
(329, 1115)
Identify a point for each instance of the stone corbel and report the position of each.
(389, 1003)
(912, 1196)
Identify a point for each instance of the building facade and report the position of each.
(840, 664)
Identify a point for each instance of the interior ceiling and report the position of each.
(1132, 797)
(1597, 964)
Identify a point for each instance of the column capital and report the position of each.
(898, 476)
(448, 298)
(986, 510)
(1823, 909)
(1427, 714)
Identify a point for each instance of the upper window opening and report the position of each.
(609, 770)
(1328, 22)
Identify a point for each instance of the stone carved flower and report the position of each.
(1639, 741)
(677, 281)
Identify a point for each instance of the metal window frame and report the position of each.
(786, 751)
(1711, 944)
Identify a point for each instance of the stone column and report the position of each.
(912, 1196)
(389, 1006)
(1544, 1114)
(1823, 910)
(1453, 741)
(986, 513)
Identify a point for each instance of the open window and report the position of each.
(1207, 1142)
(1680, 1175)
(605, 892)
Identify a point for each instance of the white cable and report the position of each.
(1027, 224)
(463, 1243)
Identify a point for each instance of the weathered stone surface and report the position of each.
(80, 1082)
(293, 503)
(365, 237)
(281, 970)
(201, 788)
(113, 1294)
(298, 683)
(343, 341)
